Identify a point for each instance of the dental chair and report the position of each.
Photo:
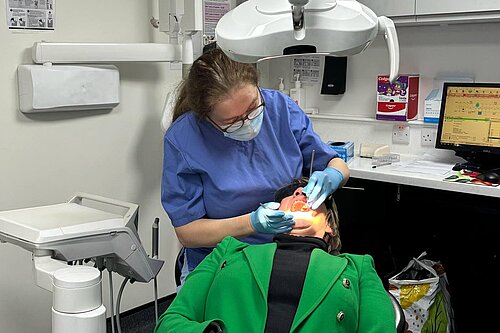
(178, 267)
(398, 314)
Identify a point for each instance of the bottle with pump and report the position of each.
(298, 93)
(281, 87)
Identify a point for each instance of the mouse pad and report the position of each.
(468, 177)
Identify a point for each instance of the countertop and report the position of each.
(416, 170)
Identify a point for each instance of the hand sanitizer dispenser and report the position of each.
(281, 87)
(298, 93)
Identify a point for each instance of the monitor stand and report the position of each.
(477, 161)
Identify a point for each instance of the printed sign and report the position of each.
(30, 14)
(212, 12)
(308, 68)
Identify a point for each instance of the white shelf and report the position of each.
(364, 119)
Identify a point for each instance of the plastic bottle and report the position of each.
(281, 86)
(298, 93)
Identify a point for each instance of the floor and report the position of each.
(140, 320)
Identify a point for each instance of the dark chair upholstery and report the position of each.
(398, 313)
(178, 266)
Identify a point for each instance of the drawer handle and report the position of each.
(353, 188)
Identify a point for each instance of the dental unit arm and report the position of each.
(259, 29)
(75, 231)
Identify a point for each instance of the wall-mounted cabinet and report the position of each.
(398, 222)
(391, 8)
(428, 7)
(415, 12)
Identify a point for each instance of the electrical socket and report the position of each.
(401, 134)
(428, 137)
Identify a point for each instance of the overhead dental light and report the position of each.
(259, 29)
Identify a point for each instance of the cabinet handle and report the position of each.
(353, 188)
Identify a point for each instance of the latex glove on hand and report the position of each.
(268, 220)
(321, 184)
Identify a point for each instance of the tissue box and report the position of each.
(397, 101)
(432, 106)
(432, 103)
(345, 149)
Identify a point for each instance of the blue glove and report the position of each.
(268, 220)
(321, 184)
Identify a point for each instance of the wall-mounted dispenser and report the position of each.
(334, 75)
(47, 88)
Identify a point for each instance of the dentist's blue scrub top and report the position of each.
(207, 175)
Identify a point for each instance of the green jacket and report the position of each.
(231, 286)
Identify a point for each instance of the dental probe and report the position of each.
(312, 163)
(154, 253)
(311, 171)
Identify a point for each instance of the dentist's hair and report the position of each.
(212, 77)
(332, 215)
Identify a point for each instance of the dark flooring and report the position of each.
(141, 319)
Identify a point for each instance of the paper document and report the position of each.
(31, 15)
(426, 167)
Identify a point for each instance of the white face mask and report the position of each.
(248, 131)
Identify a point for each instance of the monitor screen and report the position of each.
(469, 122)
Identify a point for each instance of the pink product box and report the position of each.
(398, 100)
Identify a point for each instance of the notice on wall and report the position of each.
(212, 12)
(308, 68)
(31, 14)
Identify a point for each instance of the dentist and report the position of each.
(231, 144)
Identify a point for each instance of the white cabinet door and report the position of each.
(391, 8)
(426, 7)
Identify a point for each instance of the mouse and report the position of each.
(489, 176)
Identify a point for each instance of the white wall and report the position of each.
(45, 158)
(469, 49)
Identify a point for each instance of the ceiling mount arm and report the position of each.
(298, 13)
(298, 17)
(387, 28)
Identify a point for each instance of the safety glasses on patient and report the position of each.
(237, 124)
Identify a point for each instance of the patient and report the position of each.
(298, 283)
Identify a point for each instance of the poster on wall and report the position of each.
(212, 12)
(308, 68)
(31, 14)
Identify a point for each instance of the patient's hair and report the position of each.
(332, 215)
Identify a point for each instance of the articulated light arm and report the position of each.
(387, 28)
(298, 13)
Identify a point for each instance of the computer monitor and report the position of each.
(469, 123)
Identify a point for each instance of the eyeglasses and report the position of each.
(237, 124)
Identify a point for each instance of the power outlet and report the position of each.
(401, 134)
(428, 137)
